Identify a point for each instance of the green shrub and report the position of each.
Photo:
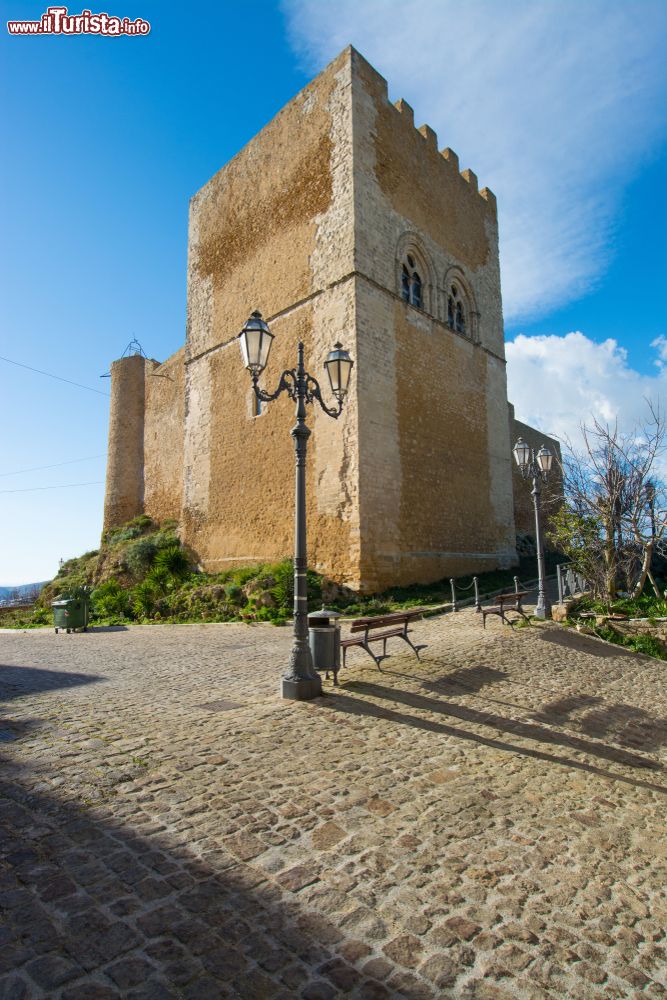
(283, 588)
(647, 644)
(234, 593)
(143, 599)
(160, 580)
(140, 554)
(173, 560)
(110, 599)
(42, 616)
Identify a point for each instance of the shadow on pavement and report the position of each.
(625, 724)
(514, 727)
(471, 679)
(97, 909)
(585, 644)
(15, 682)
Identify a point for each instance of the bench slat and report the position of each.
(372, 638)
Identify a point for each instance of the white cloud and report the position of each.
(556, 383)
(555, 105)
(660, 344)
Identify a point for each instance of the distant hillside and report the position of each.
(22, 591)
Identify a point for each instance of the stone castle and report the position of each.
(339, 221)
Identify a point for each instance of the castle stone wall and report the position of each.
(273, 230)
(435, 477)
(163, 438)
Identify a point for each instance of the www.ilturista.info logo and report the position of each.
(57, 21)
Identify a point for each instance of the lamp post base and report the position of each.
(302, 689)
(542, 610)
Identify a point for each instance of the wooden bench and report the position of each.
(506, 602)
(364, 631)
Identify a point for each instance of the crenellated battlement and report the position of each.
(430, 137)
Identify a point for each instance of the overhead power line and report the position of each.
(56, 465)
(59, 378)
(65, 486)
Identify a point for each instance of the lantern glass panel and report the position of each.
(339, 368)
(522, 453)
(255, 340)
(545, 459)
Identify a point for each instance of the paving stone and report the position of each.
(354, 950)
(298, 877)
(129, 971)
(319, 990)
(89, 991)
(489, 821)
(320, 928)
(372, 990)
(405, 950)
(440, 970)
(13, 988)
(327, 836)
(153, 989)
(407, 985)
(51, 971)
(463, 929)
(341, 974)
(245, 846)
(377, 968)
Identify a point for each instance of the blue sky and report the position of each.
(105, 140)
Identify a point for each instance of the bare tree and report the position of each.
(614, 517)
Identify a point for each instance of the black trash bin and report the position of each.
(324, 641)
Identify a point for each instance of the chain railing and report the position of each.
(474, 583)
(457, 603)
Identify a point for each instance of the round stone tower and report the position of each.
(124, 496)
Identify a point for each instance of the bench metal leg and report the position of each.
(377, 659)
(411, 644)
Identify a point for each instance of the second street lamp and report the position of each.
(536, 467)
(300, 681)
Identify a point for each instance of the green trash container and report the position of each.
(70, 613)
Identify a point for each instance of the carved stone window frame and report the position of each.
(455, 276)
(410, 245)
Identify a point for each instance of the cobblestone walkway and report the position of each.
(488, 823)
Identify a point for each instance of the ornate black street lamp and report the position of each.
(536, 467)
(300, 682)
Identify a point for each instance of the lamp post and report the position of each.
(536, 467)
(300, 681)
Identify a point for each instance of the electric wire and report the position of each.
(56, 465)
(59, 378)
(63, 486)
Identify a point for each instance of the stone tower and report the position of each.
(339, 221)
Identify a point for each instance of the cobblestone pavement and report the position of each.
(488, 823)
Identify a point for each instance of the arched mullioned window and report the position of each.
(415, 276)
(456, 310)
(411, 283)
